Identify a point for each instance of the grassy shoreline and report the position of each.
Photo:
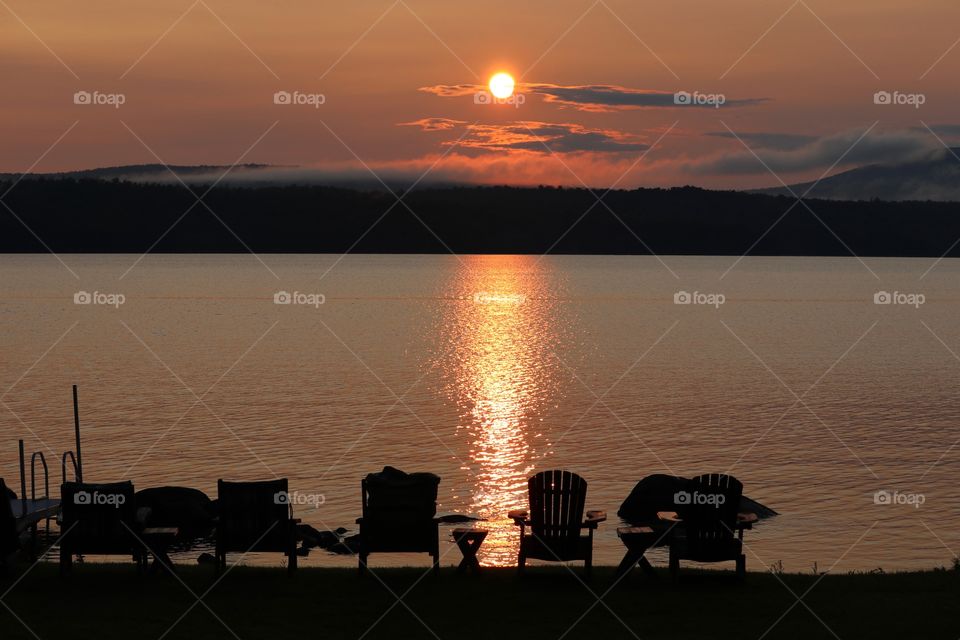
(111, 601)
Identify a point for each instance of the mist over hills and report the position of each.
(936, 177)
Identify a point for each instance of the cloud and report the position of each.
(534, 136)
(433, 124)
(547, 137)
(519, 168)
(596, 97)
(942, 130)
(819, 153)
(757, 140)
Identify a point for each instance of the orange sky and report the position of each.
(198, 80)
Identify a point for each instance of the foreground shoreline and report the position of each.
(112, 601)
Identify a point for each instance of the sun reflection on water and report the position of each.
(502, 368)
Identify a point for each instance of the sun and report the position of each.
(501, 85)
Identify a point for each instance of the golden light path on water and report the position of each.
(501, 350)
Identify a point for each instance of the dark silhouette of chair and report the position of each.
(255, 517)
(556, 520)
(399, 512)
(98, 519)
(9, 540)
(708, 529)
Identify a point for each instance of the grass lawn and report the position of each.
(112, 601)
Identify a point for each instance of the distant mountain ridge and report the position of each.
(936, 177)
(140, 172)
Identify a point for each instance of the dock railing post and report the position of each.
(76, 431)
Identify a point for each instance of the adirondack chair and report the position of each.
(255, 517)
(399, 512)
(98, 519)
(707, 528)
(556, 520)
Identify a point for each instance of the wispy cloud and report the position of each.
(536, 137)
(434, 124)
(942, 130)
(758, 140)
(820, 152)
(594, 97)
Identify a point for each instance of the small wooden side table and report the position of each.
(637, 540)
(469, 541)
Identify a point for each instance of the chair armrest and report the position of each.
(669, 516)
(519, 517)
(746, 520)
(593, 519)
(359, 521)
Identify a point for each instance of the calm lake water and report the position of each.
(486, 369)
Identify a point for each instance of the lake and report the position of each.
(486, 369)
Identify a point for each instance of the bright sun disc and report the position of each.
(501, 85)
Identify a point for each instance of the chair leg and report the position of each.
(674, 565)
(363, 563)
(292, 562)
(742, 566)
(66, 561)
(521, 564)
(436, 563)
(588, 564)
